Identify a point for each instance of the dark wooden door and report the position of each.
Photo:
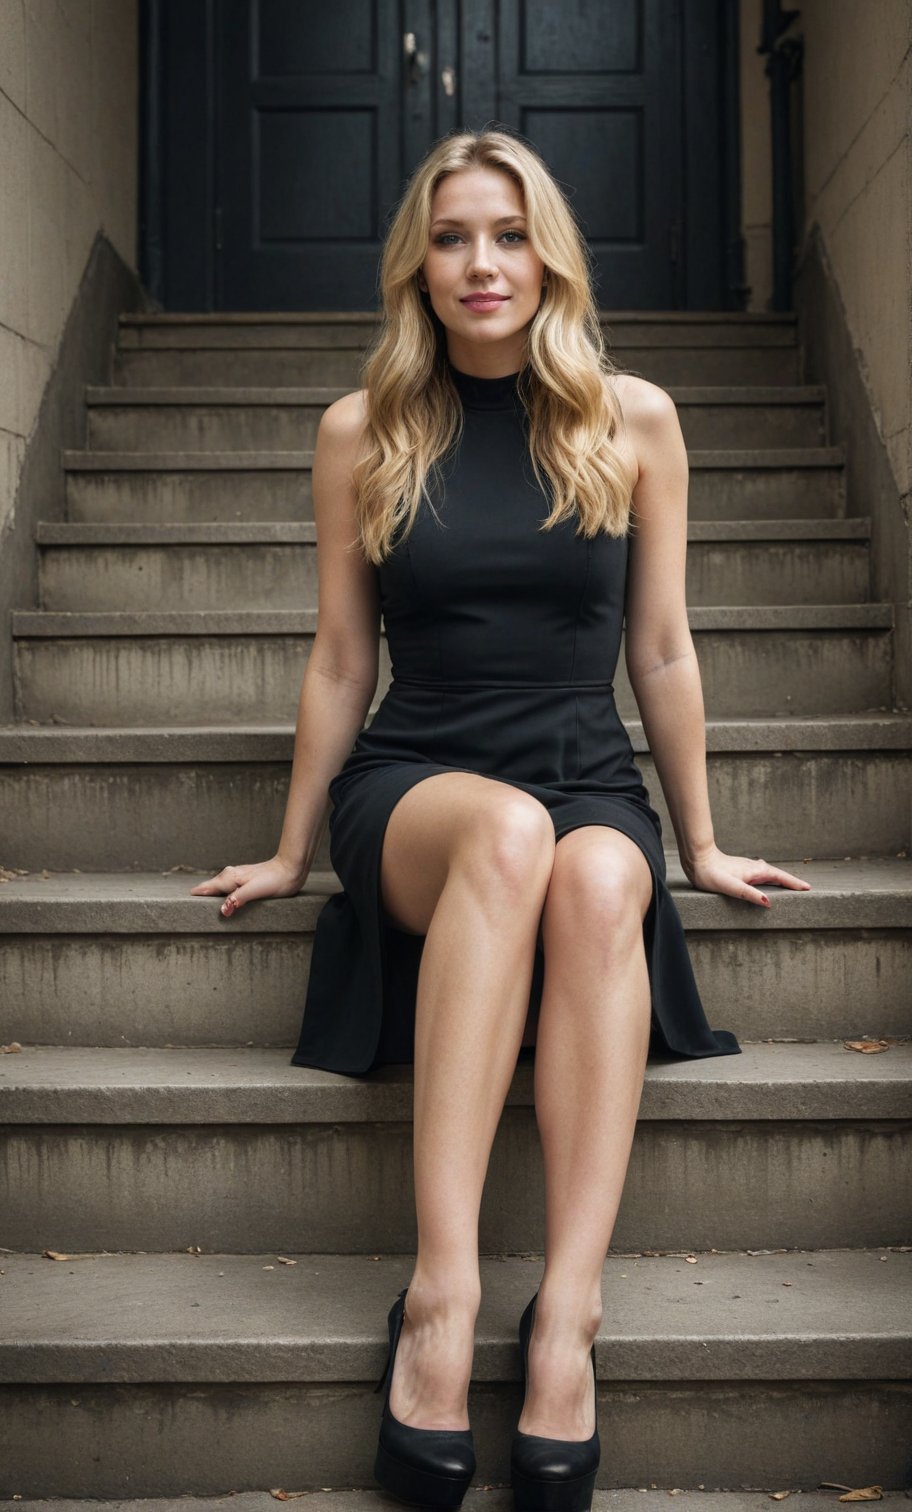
(318, 112)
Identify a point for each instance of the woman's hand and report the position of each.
(276, 878)
(714, 871)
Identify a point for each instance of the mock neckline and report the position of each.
(485, 393)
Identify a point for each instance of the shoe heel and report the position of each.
(572, 1465)
(428, 1466)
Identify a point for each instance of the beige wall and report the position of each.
(857, 89)
(68, 141)
(858, 189)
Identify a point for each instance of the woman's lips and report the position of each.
(484, 301)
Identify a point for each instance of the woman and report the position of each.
(502, 868)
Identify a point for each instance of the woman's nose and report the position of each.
(481, 258)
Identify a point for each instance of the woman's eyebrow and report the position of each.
(446, 221)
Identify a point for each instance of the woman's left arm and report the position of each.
(659, 649)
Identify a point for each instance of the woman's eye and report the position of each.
(443, 240)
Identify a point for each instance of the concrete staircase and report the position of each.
(201, 1242)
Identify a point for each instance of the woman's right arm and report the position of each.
(341, 672)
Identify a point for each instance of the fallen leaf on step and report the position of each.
(284, 1261)
(281, 1495)
(863, 1493)
(86, 1255)
(867, 1046)
(12, 1049)
(779, 1495)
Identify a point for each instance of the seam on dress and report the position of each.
(580, 605)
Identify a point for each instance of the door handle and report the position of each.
(417, 60)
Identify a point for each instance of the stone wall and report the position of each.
(68, 142)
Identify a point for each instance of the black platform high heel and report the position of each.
(429, 1466)
(548, 1474)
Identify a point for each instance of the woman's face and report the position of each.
(479, 245)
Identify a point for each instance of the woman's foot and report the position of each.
(560, 1401)
(433, 1365)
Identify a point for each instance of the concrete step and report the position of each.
(238, 1150)
(136, 668)
(105, 1357)
(340, 366)
(262, 419)
(199, 486)
(133, 958)
(103, 798)
(488, 1496)
(329, 329)
(260, 565)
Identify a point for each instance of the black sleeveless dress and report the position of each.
(503, 642)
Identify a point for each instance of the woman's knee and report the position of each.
(508, 840)
(600, 883)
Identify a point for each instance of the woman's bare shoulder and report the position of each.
(644, 404)
(344, 421)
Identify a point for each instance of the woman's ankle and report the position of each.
(561, 1311)
(431, 1296)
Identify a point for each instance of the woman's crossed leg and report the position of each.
(471, 863)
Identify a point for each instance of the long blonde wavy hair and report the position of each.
(414, 413)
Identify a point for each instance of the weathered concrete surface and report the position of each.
(874, 893)
(77, 1084)
(156, 1149)
(238, 988)
(268, 565)
(267, 366)
(220, 665)
(109, 798)
(208, 1438)
(809, 1314)
(257, 1378)
(346, 1185)
(268, 486)
(287, 418)
(491, 1498)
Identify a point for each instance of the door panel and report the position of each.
(309, 154)
(302, 122)
(595, 88)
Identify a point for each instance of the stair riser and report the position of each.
(666, 331)
(265, 368)
(284, 576)
(347, 1188)
(766, 493)
(293, 427)
(107, 816)
(95, 1440)
(202, 497)
(129, 680)
(105, 1441)
(190, 497)
(197, 990)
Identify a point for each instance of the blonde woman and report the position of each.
(505, 496)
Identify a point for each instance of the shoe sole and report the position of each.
(422, 1487)
(534, 1495)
